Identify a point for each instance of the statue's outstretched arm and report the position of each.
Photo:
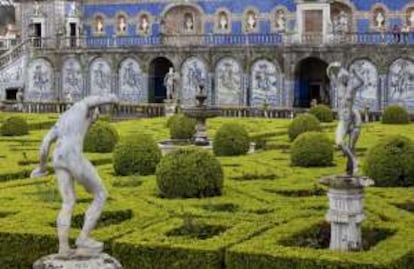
(95, 101)
(50, 137)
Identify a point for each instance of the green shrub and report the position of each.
(231, 139)
(395, 115)
(136, 155)
(322, 112)
(14, 126)
(101, 138)
(391, 162)
(181, 127)
(312, 149)
(303, 123)
(189, 173)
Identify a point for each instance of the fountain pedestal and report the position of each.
(346, 211)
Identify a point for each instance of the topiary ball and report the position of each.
(136, 155)
(231, 139)
(391, 162)
(312, 149)
(395, 115)
(14, 126)
(181, 127)
(101, 138)
(303, 123)
(322, 112)
(189, 173)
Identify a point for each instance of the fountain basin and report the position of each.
(202, 112)
(167, 146)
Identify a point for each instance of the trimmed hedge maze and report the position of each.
(270, 214)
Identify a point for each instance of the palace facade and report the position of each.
(247, 53)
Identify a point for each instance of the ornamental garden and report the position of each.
(253, 201)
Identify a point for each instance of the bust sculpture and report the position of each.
(189, 24)
(122, 25)
(99, 25)
(144, 25)
(350, 120)
(70, 164)
(281, 21)
(36, 8)
(380, 19)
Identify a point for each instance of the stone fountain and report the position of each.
(201, 112)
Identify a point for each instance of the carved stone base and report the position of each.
(102, 261)
(170, 107)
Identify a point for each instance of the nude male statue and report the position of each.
(70, 164)
(350, 121)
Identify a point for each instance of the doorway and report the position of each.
(37, 34)
(11, 94)
(159, 68)
(312, 83)
(72, 33)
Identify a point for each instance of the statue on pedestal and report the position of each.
(19, 99)
(350, 121)
(70, 164)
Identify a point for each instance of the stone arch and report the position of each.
(132, 82)
(229, 83)
(72, 79)
(401, 83)
(40, 81)
(100, 75)
(158, 68)
(368, 95)
(193, 73)
(265, 83)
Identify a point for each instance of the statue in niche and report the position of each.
(411, 19)
(281, 21)
(40, 78)
(73, 9)
(223, 22)
(102, 79)
(350, 121)
(131, 77)
(188, 23)
(251, 22)
(122, 25)
(99, 25)
(20, 99)
(36, 8)
(380, 19)
(170, 83)
(70, 164)
(144, 25)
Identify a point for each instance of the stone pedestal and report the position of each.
(170, 107)
(346, 211)
(102, 261)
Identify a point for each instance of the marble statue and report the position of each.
(349, 117)
(73, 9)
(223, 22)
(70, 164)
(170, 83)
(411, 19)
(99, 25)
(281, 21)
(380, 19)
(122, 25)
(36, 8)
(189, 23)
(144, 25)
(251, 22)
